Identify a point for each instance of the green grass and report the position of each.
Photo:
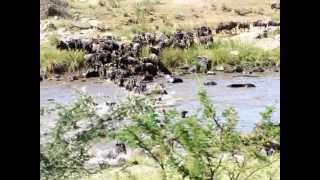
(219, 53)
(276, 17)
(49, 55)
(146, 169)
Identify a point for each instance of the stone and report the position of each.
(210, 83)
(249, 85)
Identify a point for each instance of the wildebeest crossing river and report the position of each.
(248, 102)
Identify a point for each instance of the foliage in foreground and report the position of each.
(200, 146)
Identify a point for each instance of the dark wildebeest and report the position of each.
(249, 85)
(204, 35)
(273, 23)
(275, 6)
(204, 31)
(260, 23)
(62, 45)
(226, 26)
(244, 25)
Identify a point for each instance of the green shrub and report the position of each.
(200, 146)
(219, 53)
(50, 55)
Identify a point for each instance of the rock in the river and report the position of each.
(210, 83)
(249, 85)
(172, 79)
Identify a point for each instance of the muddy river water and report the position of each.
(248, 102)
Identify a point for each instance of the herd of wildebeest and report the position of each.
(122, 62)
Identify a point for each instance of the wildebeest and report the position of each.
(260, 23)
(244, 25)
(204, 35)
(273, 23)
(204, 31)
(226, 26)
(210, 83)
(275, 6)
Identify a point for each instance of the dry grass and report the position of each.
(160, 15)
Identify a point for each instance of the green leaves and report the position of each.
(199, 146)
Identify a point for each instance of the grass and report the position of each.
(146, 169)
(276, 17)
(248, 55)
(219, 53)
(112, 12)
(50, 55)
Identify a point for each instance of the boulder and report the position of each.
(249, 85)
(210, 83)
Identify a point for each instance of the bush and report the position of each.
(219, 53)
(200, 146)
(72, 59)
(197, 147)
(61, 159)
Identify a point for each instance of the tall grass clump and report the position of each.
(73, 60)
(221, 53)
